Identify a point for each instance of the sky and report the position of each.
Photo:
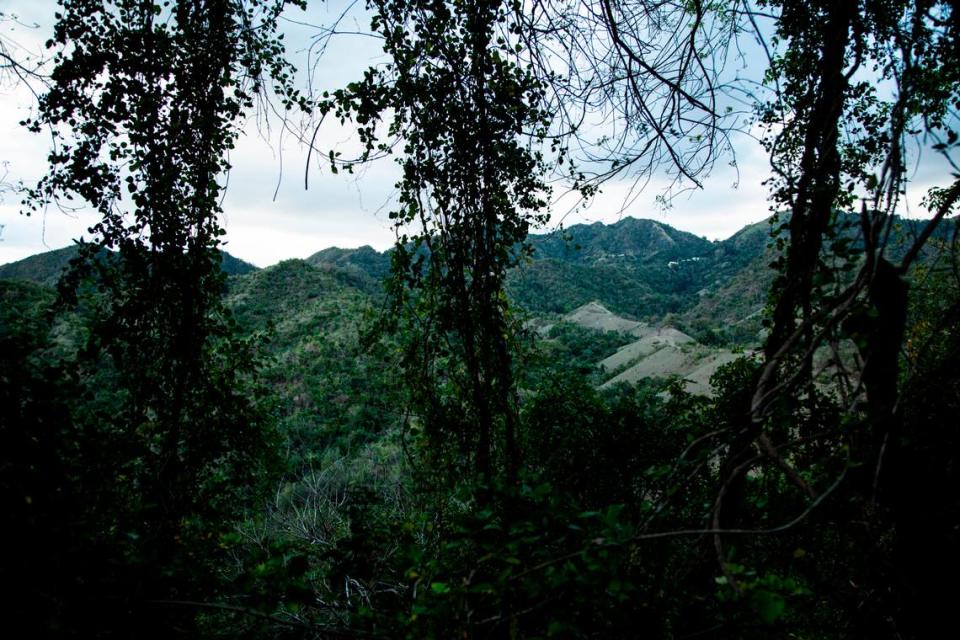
(268, 214)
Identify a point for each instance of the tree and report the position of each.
(638, 89)
(839, 144)
(169, 442)
(470, 118)
(18, 68)
(16, 63)
(837, 141)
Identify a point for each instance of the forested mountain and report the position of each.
(645, 270)
(606, 264)
(47, 267)
(659, 280)
(332, 384)
(233, 266)
(641, 268)
(629, 239)
(43, 268)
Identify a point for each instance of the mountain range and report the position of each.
(640, 269)
(657, 301)
(45, 268)
(637, 268)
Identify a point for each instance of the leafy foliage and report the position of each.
(156, 415)
(434, 472)
(463, 105)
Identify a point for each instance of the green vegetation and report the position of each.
(420, 444)
(579, 349)
(45, 268)
(349, 492)
(332, 381)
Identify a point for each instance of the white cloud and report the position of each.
(342, 209)
(731, 198)
(352, 210)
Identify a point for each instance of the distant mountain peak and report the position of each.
(626, 239)
(47, 267)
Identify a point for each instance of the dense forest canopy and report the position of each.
(458, 438)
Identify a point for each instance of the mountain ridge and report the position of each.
(45, 268)
(639, 268)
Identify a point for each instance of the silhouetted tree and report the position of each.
(170, 442)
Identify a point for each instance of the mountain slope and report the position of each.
(334, 387)
(46, 268)
(657, 352)
(629, 239)
(365, 266)
(43, 268)
(293, 293)
(639, 268)
(234, 266)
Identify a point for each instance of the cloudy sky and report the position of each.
(270, 216)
